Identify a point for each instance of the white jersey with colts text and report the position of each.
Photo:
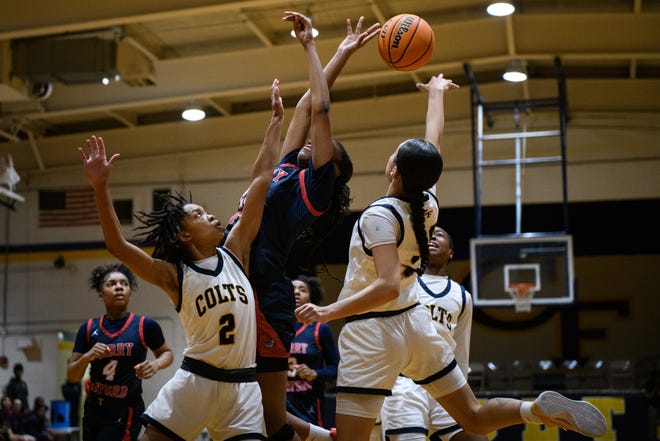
(218, 312)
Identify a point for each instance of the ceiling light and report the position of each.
(500, 9)
(105, 81)
(193, 114)
(516, 71)
(315, 33)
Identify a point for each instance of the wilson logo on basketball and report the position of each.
(405, 25)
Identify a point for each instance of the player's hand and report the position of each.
(302, 26)
(356, 39)
(145, 370)
(310, 312)
(276, 100)
(438, 82)
(99, 350)
(95, 161)
(305, 372)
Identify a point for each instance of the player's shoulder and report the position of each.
(148, 321)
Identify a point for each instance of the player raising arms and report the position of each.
(308, 181)
(389, 245)
(216, 387)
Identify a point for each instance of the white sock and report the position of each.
(317, 433)
(526, 413)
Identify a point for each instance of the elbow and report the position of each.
(322, 107)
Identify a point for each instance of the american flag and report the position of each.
(67, 208)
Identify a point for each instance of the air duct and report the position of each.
(79, 60)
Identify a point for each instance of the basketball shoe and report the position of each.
(554, 409)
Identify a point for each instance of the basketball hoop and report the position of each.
(522, 295)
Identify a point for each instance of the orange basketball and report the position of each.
(406, 42)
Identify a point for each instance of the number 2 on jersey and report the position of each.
(227, 326)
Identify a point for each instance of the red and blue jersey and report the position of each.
(295, 199)
(128, 341)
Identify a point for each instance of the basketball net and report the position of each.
(522, 295)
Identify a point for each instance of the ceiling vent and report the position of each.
(80, 60)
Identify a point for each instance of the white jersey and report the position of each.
(218, 312)
(410, 408)
(386, 221)
(451, 311)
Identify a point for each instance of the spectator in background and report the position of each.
(17, 387)
(72, 391)
(6, 432)
(313, 360)
(37, 424)
(18, 417)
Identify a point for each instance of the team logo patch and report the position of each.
(269, 343)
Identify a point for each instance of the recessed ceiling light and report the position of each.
(193, 114)
(500, 9)
(516, 71)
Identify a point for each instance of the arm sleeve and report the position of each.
(81, 345)
(153, 334)
(462, 336)
(330, 353)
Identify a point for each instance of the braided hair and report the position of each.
(161, 228)
(419, 163)
(97, 279)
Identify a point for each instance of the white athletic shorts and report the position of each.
(188, 403)
(411, 409)
(374, 351)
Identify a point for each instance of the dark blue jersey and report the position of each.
(128, 341)
(314, 346)
(295, 199)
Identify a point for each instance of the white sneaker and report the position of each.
(578, 416)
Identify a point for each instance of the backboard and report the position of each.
(537, 267)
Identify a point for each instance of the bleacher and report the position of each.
(573, 375)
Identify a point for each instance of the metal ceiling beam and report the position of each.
(21, 21)
(433, 68)
(35, 150)
(256, 30)
(9, 136)
(125, 121)
(377, 12)
(511, 49)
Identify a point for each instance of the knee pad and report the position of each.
(285, 433)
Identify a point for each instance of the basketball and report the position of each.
(406, 42)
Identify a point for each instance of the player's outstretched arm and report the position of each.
(323, 150)
(296, 134)
(244, 232)
(435, 114)
(97, 169)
